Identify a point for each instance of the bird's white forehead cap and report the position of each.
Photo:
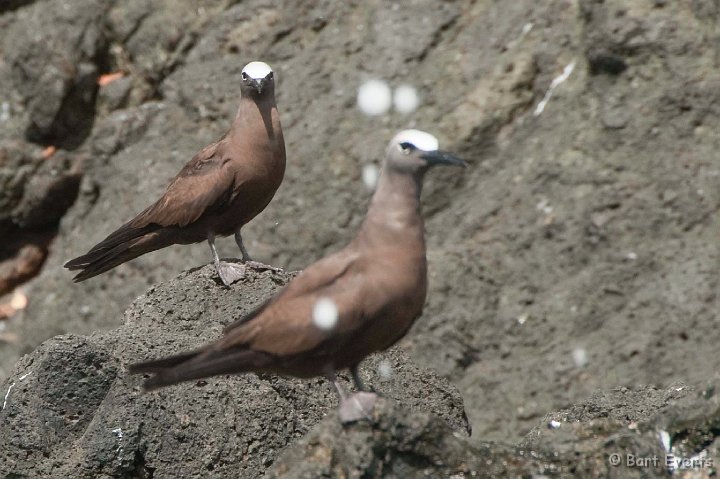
(257, 70)
(420, 139)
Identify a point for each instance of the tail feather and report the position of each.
(115, 257)
(115, 250)
(159, 365)
(122, 235)
(199, 364)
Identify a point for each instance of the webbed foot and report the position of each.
(230, 272)
(357, 406)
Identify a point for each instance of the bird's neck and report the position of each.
(394, 215)
(253, 112)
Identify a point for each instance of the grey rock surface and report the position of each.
(394, 443)
(71, 410)
(585, 440)
(54, 53)
(578, 252)
(34, 195)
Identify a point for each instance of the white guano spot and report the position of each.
(325, 313)
(544, 206)
(665, 440)
(553, 85)
(119, 434)
(7, 394)
(374, 97)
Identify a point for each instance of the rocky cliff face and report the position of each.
(71, 410)
(616, 435)
(578, 252)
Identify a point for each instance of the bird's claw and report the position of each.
(357, 406)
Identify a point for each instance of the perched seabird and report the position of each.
(342, 308)
(224, 186)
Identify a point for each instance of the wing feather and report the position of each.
(317, 276)
(285, 326)
(201, 186)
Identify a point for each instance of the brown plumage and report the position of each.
(374, 289)
(223, 187)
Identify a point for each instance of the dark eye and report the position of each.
(244, 76)
(407, 147)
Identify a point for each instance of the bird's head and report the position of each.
(257, 79)
(417, 151)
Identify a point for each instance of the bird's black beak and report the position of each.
(259, 84)
(439, 157)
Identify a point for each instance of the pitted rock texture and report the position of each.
(71, 410)
(583, 441)
(586, 229)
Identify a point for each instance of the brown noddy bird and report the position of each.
(341, 309)
(224, 186)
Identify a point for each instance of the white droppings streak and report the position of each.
(544, 206)
(553, 85)
(665, 440)
(406, 99)
(325, 313)
(7, 394)
(374, 97)
(119, 434)
(370, 174)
